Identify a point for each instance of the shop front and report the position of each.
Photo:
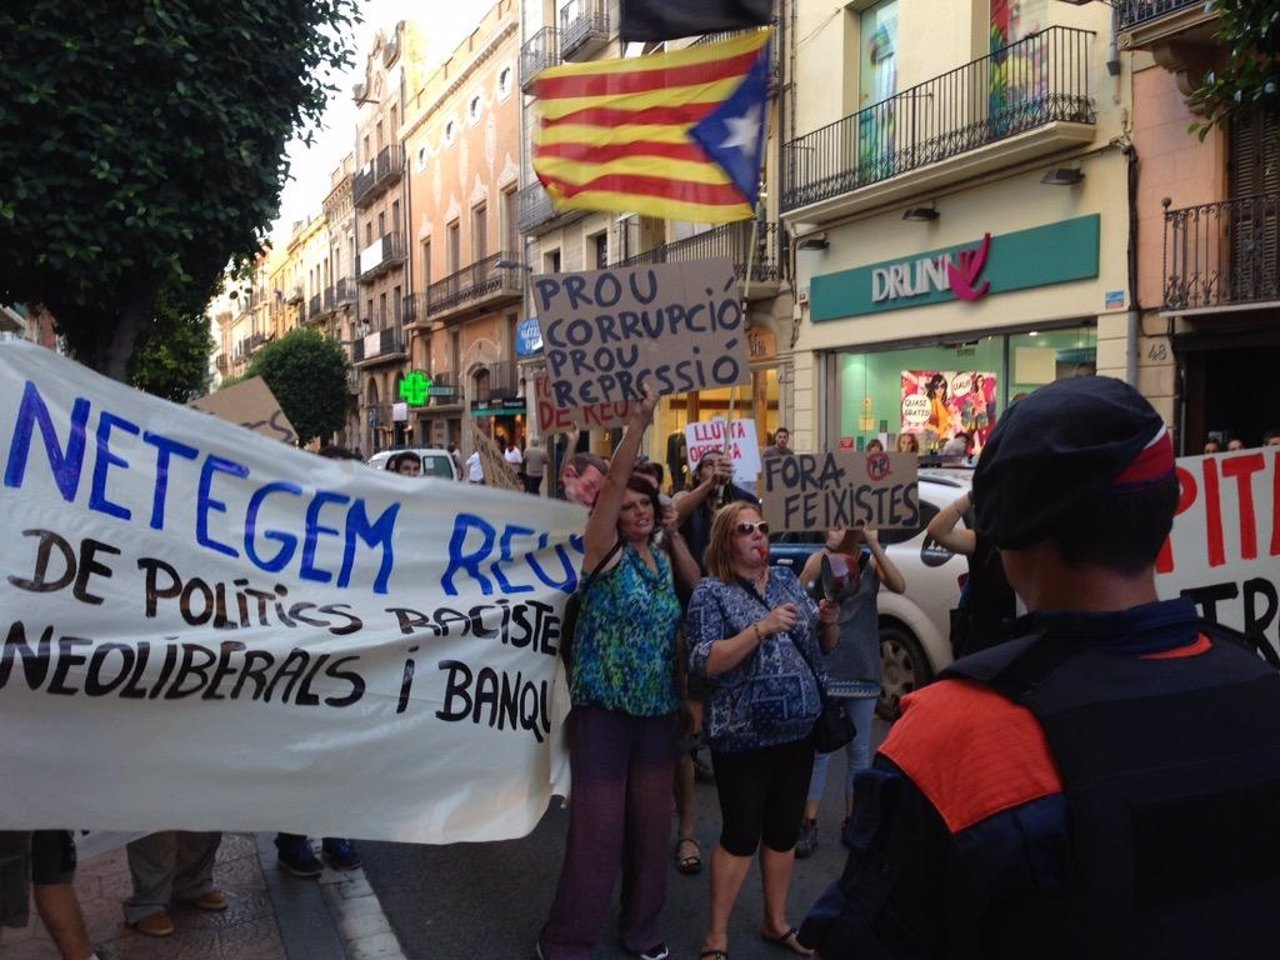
(939, 341)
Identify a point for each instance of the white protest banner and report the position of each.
(605, 332)
(815, 491)
(206, 630)
(1224, 551)
(251, 404)
(744, 450)
(553, 419)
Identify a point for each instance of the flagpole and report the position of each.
(746, 299)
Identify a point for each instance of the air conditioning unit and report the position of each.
(358, 91)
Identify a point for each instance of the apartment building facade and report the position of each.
(1208, 227)
(337, 311)
(955, 178)
(462, 141)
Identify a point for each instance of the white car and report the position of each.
(436, 462)
(915, 626)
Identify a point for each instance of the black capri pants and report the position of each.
(762, 794)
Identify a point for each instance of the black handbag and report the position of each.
(573, 607)
(833, 728)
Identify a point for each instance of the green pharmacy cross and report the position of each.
(414, 388)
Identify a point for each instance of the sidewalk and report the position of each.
(273, 916)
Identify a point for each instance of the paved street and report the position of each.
(488, 901)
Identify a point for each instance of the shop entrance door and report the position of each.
(1231, 389)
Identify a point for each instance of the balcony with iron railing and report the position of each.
(378, 174)
(496, 279)
(755, 248)
(1223, 255)
(584, 29)
(344, 292)
(315, 308)
(539, 52)
(1142, 23)
(414, 309)
(1027, 100)
(444, 389)
(380, 346)
(386, 252)
(537, 213)
(494, 381)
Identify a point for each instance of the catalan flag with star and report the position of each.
(673, 135)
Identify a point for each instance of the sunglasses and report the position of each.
(746, 529)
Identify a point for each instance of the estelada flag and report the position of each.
(671, 19)
(674, 135)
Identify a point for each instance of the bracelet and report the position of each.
(756, 627)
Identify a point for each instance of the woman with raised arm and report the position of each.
(623, 726)
(755, 635)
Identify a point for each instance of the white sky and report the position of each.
(310, 168)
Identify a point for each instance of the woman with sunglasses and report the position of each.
(623, 725)
(753, 633)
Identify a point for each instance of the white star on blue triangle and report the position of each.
(733, 134)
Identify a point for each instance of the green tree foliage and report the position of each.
(141, 149)
(1246, 81)
(171, 358)
(307, 372)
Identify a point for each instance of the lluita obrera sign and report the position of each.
(604, 332)
(816, 491)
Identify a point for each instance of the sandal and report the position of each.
(788, 941)
(689, 863)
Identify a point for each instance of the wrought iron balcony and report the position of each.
(380, 256)
(1134, 13)
(1027, 85)
(538, 214)
(379, 346)
(314, 307)
(495, 380)
(584, 28)
(414, 309)
(1224, 254)
(378, 174)
(539, 52)
(732, 240)
(484, 283)
(295, 294)
(344, 291)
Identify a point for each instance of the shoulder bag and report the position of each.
(573, 607)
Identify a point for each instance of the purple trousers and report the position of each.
(619, 821)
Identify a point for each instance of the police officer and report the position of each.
(1105, 785)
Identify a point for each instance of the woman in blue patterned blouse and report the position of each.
(623, 726)
(752, 632)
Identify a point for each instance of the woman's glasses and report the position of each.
(746, 529)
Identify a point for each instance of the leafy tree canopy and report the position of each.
(171, 359)
(307, 372)
(1249, 36)
(141, 149)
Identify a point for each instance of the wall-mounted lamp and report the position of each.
(1063, 177)
(816, 241)
(921, 214)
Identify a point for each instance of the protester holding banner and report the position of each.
(44, 861)
(697, 507)
(854, 666)
(754, 634)
(622, 729)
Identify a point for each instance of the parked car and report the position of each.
(915, 626)
(435, 461)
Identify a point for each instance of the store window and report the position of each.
(937, 391)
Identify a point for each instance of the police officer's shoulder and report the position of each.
(972, 752)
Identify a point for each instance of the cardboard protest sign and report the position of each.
(815, 491)
(553, 419)
(298, 642)
(250, 403)
(605, 332)
(743, 449)
(1224, 551)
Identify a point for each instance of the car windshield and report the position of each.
(437, 465)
